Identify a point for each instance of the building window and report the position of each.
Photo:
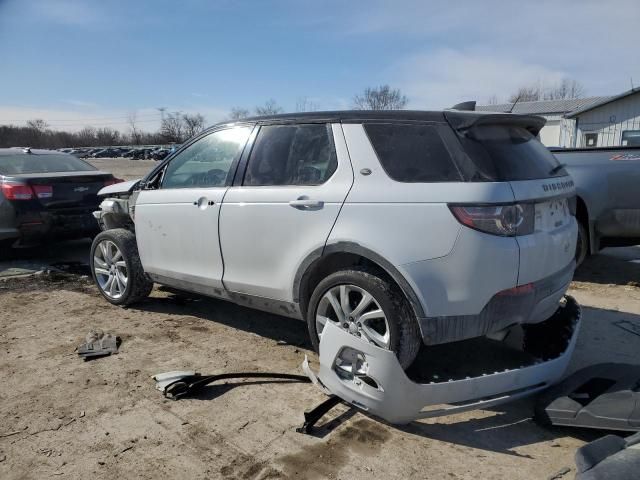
(590, 140)
(631, 138)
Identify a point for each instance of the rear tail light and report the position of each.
(22, 191)
(504, 220)
(16, 191)
(43, 191)
(112, 181)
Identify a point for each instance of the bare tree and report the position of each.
(37, 124)
(193, 124)
(107, 136)
(566, 89)
(134, 132)
(238, 113)
(270, 107)
(304, 104)
(526, 94)
(380, 98)
(172, 128)
(492, 100)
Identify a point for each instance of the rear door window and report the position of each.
(508, 153)
(412, 153)
(291, 155)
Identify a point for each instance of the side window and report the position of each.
(412, 153)
(206, 163)
(292, 155)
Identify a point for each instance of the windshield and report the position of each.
(49, 163)
(508, 153)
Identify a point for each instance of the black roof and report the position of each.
(459, 119)
(347, 116)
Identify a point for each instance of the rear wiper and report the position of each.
(557, 168)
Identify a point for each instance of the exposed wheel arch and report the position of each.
(582, 216)
(341, 255)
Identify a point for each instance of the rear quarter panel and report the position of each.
(411, 226)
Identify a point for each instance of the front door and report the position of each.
(176, 218)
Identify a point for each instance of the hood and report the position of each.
(119, 188)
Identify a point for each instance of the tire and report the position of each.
(118, 267)
(582, 245)
(399, 321)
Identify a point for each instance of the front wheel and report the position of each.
(367, 306)
(116, 267)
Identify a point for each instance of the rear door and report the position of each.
(284, 207)
(176, 217)
(511, 153)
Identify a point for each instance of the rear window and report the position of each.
(412, 153)
(508, 153)
(33, 163)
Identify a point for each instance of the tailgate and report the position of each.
(552, 245)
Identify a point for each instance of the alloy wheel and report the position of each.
(110, 269)
(356, 311)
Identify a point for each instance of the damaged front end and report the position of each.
(371, 378)
(117, 208)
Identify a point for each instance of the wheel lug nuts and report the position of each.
(345, 325)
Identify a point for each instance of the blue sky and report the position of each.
(77, 63)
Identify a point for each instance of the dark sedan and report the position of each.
(46, 194)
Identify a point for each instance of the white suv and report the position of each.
(400, 227)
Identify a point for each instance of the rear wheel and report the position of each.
(582, 244)
(116, 267)
(367, 306)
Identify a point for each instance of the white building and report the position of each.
(612, 122)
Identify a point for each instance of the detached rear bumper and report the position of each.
(371, 378)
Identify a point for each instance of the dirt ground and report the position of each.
(124, 168)
(63, 417)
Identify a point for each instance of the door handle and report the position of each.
(203, 202)
(306, 204)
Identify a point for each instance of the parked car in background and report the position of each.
(159, 154)
(106, 153)
(401, 227)
(140, 153)
(608, 196)
(45, 194)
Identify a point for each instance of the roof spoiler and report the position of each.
(465, 106)
(463, 121)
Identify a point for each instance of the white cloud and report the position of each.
(445, 77)
(464, 49)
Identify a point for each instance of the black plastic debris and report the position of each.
(604, 396)
(609, 457)
(98, 344)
